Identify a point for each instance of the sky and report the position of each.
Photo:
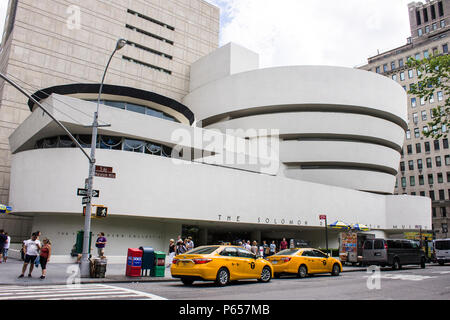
(309, 32)
(326, 32)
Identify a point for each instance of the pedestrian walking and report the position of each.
(31, 250)
(189, 244)
(3, 240)
(254, 248)
(172, 251)
(272, 248)
(283, 244)
(46, 252)
(181, 247)
(266, 249)
(248, 246)
(100, 244)
(6, 247)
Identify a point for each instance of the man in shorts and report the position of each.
(6, 247)
(31, 250)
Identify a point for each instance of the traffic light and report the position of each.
(101, 212)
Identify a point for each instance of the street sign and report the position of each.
(103, 169)
(85, 200)
(322, 217)
(105, 175)
(84, 192)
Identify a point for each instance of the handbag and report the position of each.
(37, 261)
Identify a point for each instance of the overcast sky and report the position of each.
(309, 32)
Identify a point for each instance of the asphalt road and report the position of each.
(412, 283)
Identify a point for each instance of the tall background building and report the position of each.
(47, 43)
(425, 163)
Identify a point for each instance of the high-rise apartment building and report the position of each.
(48, 42)
(425, 163)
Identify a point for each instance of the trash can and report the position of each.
(98, 268)
(80, 240)
(134, 262)
(148, 260)
(160, 264)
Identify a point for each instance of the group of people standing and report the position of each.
(179, 247)
(264, 249)
(35, 253)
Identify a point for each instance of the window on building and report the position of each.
(436, 145)
(433, 12)
(411, 164)
(403, 182)
(377, 70)
(394, 77)
(408, 134)
(440, 178)
(421, 181)
(445, 143)
(425, 15)
(425, 129)
(438, 161)
(427, 30)
(431, 98)
(427, 146)
(424, 115)
(410, 74)
(402, 166)
(416, 130)
(434, 26)
(412, 181)
(419, 164)
(400, 63)
(445, 48)
(442, 23)
(413, 102)
(417, 56)
(447, 160)
(432, 195)
(416, 120)
(409, 149)
(441, 194)
(393, 65)
(426, 54)
(433, 212)
(429, 163)
(419, 32)
(402, 76)
(422, 101)
(440, 96)
(418, 148)
(440, 8)
(385, 67)
(448, 176)
(418, 18)
(444, 212)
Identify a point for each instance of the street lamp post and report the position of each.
(84, 265)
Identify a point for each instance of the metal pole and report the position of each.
(84, 264)
(326, 233)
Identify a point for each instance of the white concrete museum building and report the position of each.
(249, 153)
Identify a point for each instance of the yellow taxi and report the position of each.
(220, 264)
(304, 261)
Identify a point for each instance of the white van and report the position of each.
(442, 250)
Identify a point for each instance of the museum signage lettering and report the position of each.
(265, 220)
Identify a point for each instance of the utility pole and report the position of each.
(85, 263)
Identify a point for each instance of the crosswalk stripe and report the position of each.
(75, 292)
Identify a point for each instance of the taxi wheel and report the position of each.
(223, 277)
(336, 270)
(187, 282)
(302, 271)
(266, 275)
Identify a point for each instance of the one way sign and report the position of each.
(84, 192)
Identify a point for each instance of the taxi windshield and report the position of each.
(287, 252)
(202, 250)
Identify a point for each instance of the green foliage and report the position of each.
(433, 77)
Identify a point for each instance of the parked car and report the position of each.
(304, 261)
(394, 253)
(220, 264)
(441, 250)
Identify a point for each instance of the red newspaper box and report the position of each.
(134, 262)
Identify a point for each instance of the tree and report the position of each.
(433, 73)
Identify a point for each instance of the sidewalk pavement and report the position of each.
(62, 273)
